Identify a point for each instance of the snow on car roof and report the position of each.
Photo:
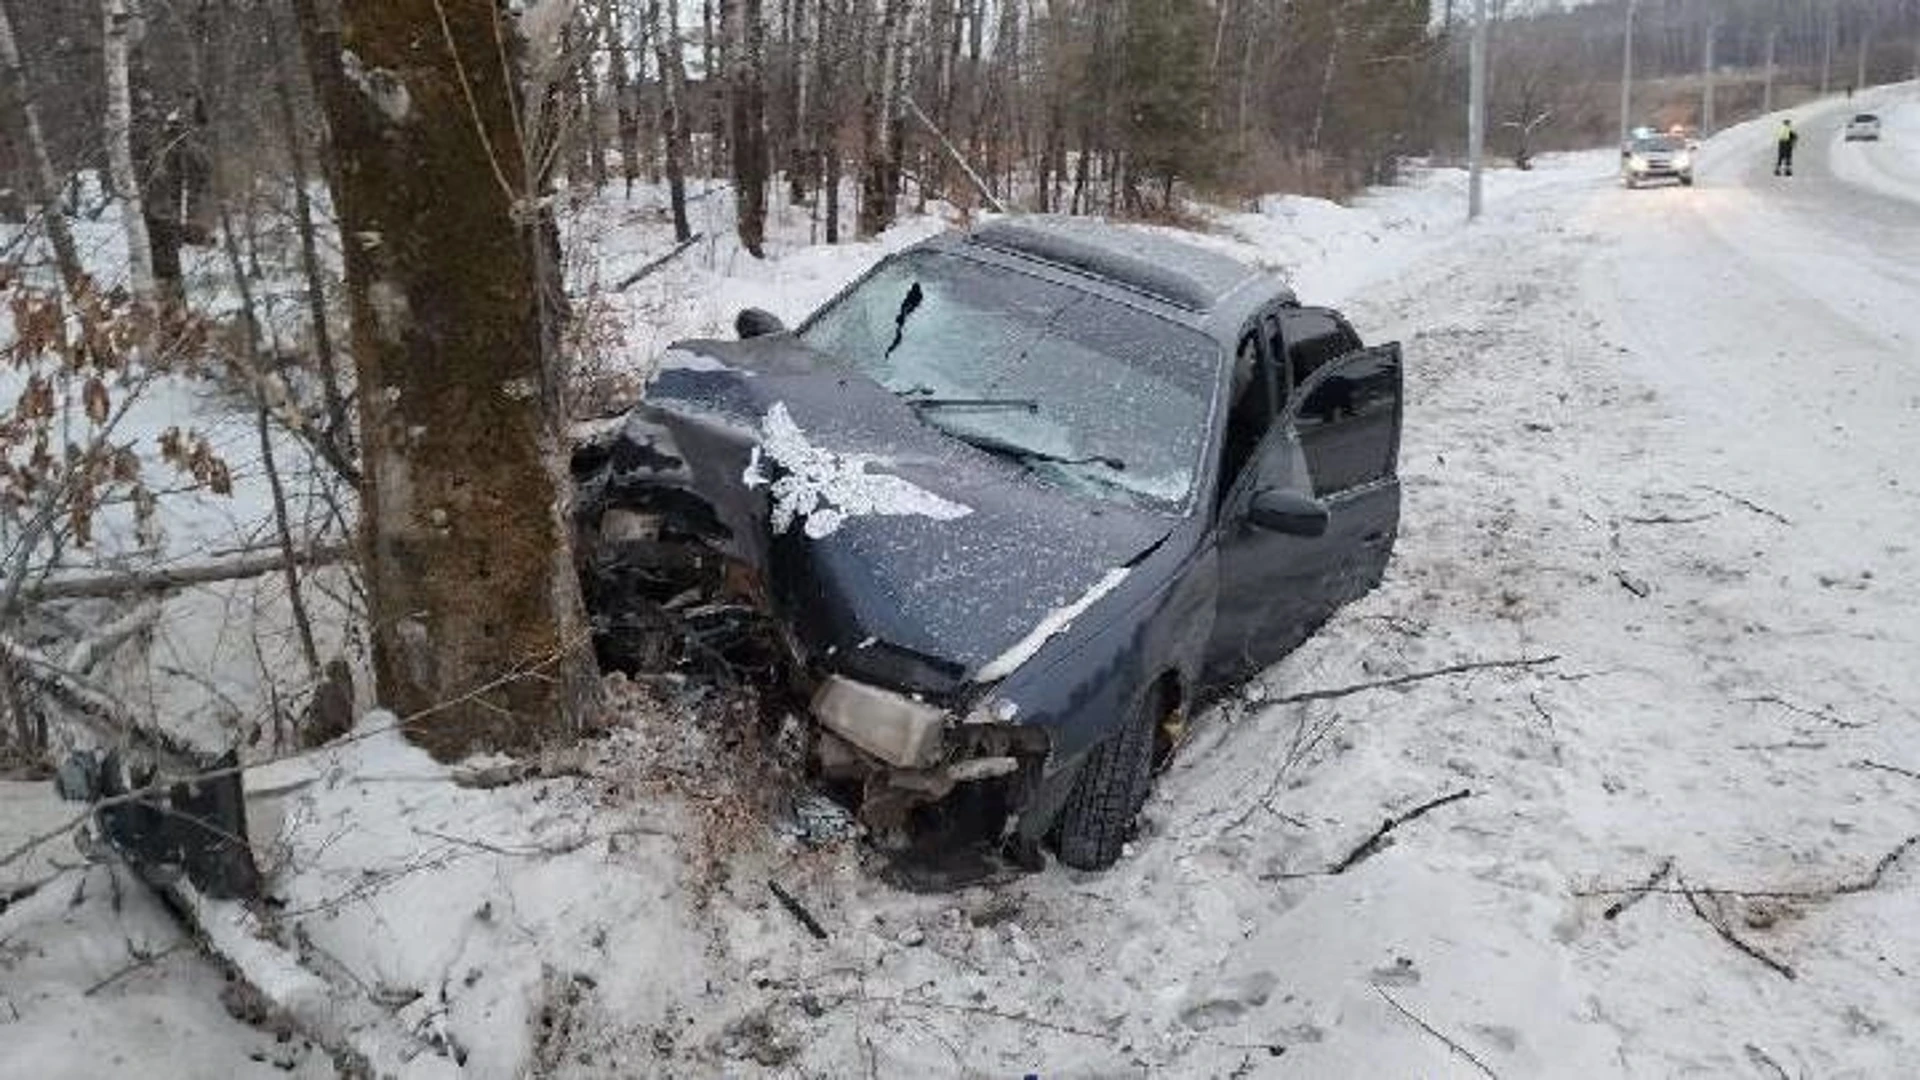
(1182, 274)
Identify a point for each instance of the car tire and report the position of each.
(1107, 795)
(1686, 181)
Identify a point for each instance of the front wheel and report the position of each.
(1686, 181)
(1110, 790)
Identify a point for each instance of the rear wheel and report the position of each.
(1110, 790)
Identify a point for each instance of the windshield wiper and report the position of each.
(993, 403)
(1028, 453)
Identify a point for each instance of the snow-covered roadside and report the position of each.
(1578, 483)
(1891, 165)
(352, 845)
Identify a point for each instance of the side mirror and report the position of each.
(1288, 512)
(754, 322)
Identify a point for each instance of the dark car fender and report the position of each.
(1087, 681)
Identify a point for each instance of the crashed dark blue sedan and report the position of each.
(1017, 500)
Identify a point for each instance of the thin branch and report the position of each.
(1868, 763)
(1823, 714)
(797, 910)
(1436, 1033)
(1748, 503)
(179, 576)
(140, 963)
(1726, 934)
(518, 851)
(1414, 677)
(1619, 907)
(1372, 844)
(678, 249)
(1867, 881)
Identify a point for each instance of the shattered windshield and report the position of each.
(1086, 393)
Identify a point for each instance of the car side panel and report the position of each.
(1158, 623)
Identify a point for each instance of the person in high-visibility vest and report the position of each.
(1783, 156)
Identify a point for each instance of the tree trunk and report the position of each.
(830, 27)
(673, 116)
(337, 439)
(880, 172)
(587, 87)
(801, 136)
(476, 616)
(626, 115)
(746, 92)
(122, 23)
(21, 117)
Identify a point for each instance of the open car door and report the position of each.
(1335, 451)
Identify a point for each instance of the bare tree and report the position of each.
(673, 113)
(746, 89)
(452, 285)
(22, 119)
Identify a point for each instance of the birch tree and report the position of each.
(123, 24)
(475, 612)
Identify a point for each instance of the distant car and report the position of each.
(1864, 127)
(1656, 157)
(1018, 498)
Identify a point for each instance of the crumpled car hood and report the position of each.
(894, 552)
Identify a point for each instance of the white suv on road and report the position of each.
(1863, 127)
(1656, 157)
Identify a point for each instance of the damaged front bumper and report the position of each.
(905, 754)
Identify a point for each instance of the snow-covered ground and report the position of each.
(1670, 437)
(1891, 164)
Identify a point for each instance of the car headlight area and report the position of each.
(893, 727)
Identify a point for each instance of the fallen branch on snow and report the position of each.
(639, 275)
(1374, 843)
(141, 961)
(1668, 519)
(1619, 907)
(1823, 713)
(1726, 933)
(1436, 1033)
(1871, 880)
(1748, 503)
(1868, 763)
(180, 576)
(1414, 677)
(798, 911)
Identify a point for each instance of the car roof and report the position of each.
(1177, 279)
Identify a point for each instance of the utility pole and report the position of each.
(1476, 107)
(1706, 80)
(1626, 75)
(1826, 58)
(1766, 90)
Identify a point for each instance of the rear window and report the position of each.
(1866, 118)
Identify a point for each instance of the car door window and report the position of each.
(1253, 408)
(1348, 421)
(1313, 337)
